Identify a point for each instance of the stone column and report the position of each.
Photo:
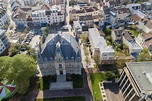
(124, 84)
(126, 89)
(132, 97)
(128, 94)
(64, 72)
(121, 75)
(122, 80)
(57, 72)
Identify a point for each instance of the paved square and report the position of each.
(112, 92)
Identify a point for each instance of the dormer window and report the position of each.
(72, 57)
(78, 58)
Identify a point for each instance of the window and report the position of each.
(60, 66)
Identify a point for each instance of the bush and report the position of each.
(109, 75)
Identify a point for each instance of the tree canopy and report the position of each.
(17, 48)
(83, 38)
(18, 70)
(144, 55)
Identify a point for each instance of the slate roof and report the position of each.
(68, 46)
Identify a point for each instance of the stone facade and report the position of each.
(60, 55)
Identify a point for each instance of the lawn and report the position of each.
(95, 79)
(134, 32)
(77, 80)
(78, 98)
(44, 82)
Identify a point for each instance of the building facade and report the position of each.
(38, 16)
(4, 19)
(4, 43)
(60, 55)
(83, 11)
(131, 43)
(135, 81)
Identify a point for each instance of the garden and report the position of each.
(95, 79)
(44, 82)
(77, 80)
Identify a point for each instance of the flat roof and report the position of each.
(142, 73)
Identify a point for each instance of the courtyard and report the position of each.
(112, 92)
(78, 98)
(44, 82)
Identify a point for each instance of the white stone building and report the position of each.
(60, 55)
(39, 16)
(100, 48)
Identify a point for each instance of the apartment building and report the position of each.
(131, 43)
(38, 16)
(83, 11)
(136, 81)
(4, 19)
(100, 48)
(4, 43)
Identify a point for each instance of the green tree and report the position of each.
(83, 38)
(109, 39)
(125, 50)
(46, 31)
(18, 70)
(121, 63)
(97, 58)
(109, 75)
(17, 48)
(144, 55)
(107, 31)
(31, 52)
(87, 60)
(27, 29)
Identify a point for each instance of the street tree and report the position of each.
(125, 50)
(97, 59)
(87, 60)
(27, 29)
(31, 52)
(83, 38)
(109, 75)
(17, 48)
(86, 52)
(18, 70)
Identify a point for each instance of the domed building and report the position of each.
(60, 55)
